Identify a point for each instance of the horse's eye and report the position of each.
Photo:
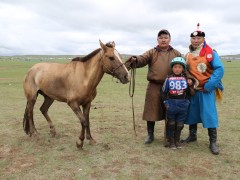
(111, 58)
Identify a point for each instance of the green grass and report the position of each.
(118, 154)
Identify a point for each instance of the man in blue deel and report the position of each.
(206, 67)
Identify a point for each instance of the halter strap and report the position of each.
(111, 72)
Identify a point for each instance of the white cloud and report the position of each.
(75, 26)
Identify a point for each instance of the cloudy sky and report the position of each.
(74, 27)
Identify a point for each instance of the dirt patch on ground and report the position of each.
(5, 151)
(15, 160)
(136, 160)
(114, 167)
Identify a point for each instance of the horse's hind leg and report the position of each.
(44, 109)
(31, 93)
(76, 109)
(28, 123)
(86, 110)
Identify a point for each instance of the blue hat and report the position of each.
(178, 60)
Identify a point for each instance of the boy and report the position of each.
(176, 94)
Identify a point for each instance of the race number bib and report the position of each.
(177, 85)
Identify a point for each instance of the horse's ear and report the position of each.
(113, 43)
(102, 45)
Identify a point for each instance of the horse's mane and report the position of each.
(89, 56)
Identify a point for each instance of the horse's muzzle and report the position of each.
(125, 79)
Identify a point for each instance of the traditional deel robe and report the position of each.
(158, 68)
(206, 67)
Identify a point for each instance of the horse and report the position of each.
(74, 83)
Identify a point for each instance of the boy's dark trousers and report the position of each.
(176, 115)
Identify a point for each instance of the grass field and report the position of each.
(118, 154)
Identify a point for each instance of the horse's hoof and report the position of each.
(33, 134)
(79, 144)
(53, 132)
(92, 141)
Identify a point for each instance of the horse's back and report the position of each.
(41, 73)
(53, 79)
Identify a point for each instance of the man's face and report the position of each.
(163, 40)
(196, 41)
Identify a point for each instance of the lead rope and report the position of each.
(131, 93)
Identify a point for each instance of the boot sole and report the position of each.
(215, 153)
(182, 141)
(148, 142)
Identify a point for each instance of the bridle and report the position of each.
(131, 93)
(112, 72)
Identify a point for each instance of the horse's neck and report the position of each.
(93, 70)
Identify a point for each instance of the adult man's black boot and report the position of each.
(212, 132)
(192, 134)
(150, 130)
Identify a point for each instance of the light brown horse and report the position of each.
(74, 83)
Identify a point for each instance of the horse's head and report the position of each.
(112, 62)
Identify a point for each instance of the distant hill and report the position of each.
(39, 57)
(231, 57)
(69, 57)
(49, 58)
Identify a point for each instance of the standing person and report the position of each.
(176, 94)
(158, 60)
(205, 65)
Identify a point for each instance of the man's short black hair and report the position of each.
(164, 31)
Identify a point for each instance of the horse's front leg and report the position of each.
(86, 110)
(76, 109)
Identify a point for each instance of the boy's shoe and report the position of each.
(172, 146)
(178, 145)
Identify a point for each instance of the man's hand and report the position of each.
(131, 62)
(190, 82)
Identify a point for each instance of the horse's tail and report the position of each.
(31, 92)
(26, 126)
